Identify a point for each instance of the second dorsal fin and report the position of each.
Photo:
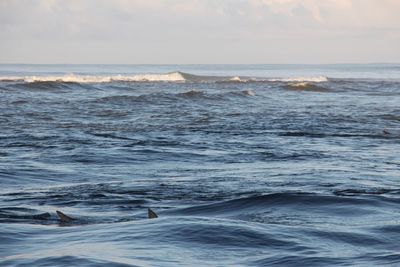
(151, 214)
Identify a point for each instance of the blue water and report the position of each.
(245, 165)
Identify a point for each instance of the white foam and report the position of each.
(168, 77)
(237, 79)
(316, 79)
(300, 84)
(165, 77)
(11, 78)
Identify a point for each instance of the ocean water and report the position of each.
(245, 165)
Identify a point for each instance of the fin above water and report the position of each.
(64, 218)
(151, 214)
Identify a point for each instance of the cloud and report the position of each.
(175, 24)
(91, 18)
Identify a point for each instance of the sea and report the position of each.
(245, 165)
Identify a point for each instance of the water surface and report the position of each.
(246, 165)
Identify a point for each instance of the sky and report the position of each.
(199, 31)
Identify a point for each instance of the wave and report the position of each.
(317, 79)
(173, 77)
(261, 203)
(306, 86)
(193, 94)
(163, 77)
(21, 214)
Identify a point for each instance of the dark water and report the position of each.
(258, 170)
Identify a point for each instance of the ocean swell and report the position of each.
(160, 77)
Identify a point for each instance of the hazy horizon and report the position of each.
(200, 32)
(166, 64)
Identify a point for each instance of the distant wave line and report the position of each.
(164, 77)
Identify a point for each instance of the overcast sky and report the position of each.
(199, 31)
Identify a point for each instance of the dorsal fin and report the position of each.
(63, 217)
(151, 214)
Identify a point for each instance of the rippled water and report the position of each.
(246, 165)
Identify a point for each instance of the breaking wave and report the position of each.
(163, 77)
(168, 77)
(317, 79)
(306, 86)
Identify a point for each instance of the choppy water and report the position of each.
(246, 165)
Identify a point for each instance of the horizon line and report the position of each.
(193, 64)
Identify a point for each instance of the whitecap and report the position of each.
(167, 77)
(316, 79)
